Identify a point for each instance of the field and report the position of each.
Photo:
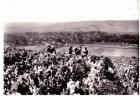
(29, 72)
(98, 49)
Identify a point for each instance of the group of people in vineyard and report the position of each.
(78, 51)
(72, 50)
(31, 72)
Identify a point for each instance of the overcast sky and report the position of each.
(69, 10)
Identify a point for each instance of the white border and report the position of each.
(62, 11)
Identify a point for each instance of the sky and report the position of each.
(122, 27)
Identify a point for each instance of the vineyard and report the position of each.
(32, 72)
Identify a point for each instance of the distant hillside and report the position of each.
(129, 27)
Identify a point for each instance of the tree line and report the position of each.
(33, 38)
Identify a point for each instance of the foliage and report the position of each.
(33, 38)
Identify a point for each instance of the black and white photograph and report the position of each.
(89, 57)
(72, 57)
